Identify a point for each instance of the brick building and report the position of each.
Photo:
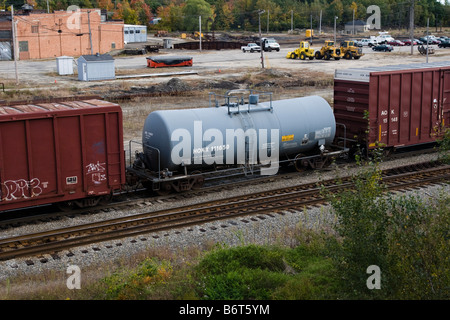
(61, 33)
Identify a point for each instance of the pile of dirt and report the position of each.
(174, 85)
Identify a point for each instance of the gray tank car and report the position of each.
(238, 134)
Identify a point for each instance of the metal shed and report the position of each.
(134, 33)
(64, 65)
(96, 67)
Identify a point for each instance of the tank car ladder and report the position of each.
(250, 142)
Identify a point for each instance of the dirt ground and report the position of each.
(209, 68)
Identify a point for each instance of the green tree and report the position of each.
(192, 10)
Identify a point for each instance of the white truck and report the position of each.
(372, 41)
(384, 37)
(251, 47)
(269, 44)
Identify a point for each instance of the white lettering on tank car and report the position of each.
(323, 133)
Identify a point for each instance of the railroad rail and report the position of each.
(259, 203)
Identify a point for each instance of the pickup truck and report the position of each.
(251, 47)
(369, 42)
(269, 44)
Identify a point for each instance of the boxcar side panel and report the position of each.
(405, 106)
(70, 153)
(95, 172)
(15, 173)
(43, 162)
(115, 160)
(60, 155)
(351, 102)
(445, 99)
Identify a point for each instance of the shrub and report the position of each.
(420, 247)
(405, 237)
(362, 226)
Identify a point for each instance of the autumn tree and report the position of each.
(192, 10)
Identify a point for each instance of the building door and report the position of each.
(5, 50)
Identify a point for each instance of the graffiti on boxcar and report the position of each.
(21, 188)
(97, 172)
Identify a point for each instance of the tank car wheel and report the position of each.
(299, 166)
(164, 189)
(199, 181)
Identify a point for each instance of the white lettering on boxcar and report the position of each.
(97, 172)
(17, 189)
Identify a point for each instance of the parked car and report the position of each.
(431, 40)
(444, 44)
(383, 47)
(396, 43)
(384, 38)
(408, 42)
(251, 47)
(357, 43)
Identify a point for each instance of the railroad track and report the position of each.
(260, 203)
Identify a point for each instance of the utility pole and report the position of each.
(335, 18)
(292, 21)
(90, 34)
(353, 21)
(320, 23)
(260, 38)
(411, 25)
(268, 15)
(14, 36)
(200, 29)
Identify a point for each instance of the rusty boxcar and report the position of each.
(60, 152)
(394, 106)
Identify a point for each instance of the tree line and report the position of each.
(279, 15)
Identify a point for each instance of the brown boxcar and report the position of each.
(397, 106)
(60, 151)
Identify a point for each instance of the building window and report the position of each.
(137, 31)
(34, 29)
(23, 46)
(126, 32)
(113, 45)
